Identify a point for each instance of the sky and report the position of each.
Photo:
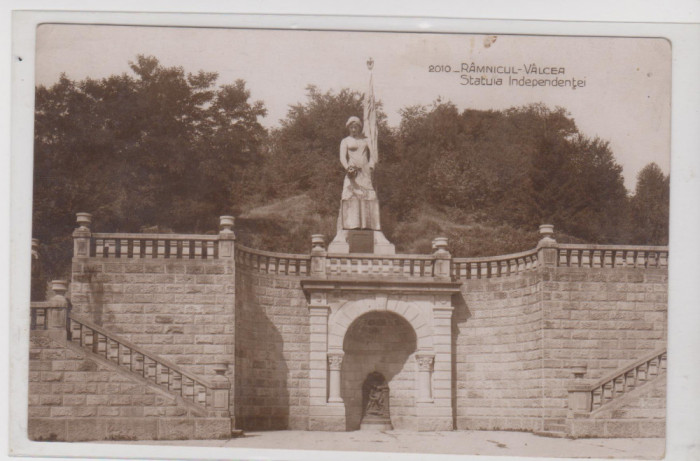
(625, 100)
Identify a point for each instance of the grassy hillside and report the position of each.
(286, 225)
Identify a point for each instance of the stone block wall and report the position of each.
(515, 336)
(601, 318)
(180, 309)
(272, 352)
(75, 398)
(498, 351)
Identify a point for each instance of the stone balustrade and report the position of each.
(495, 266)
(321, 263)
(267, 262)
(585, 398)
(411, 266)
(611, 256)
(212, 396)
(175, 246)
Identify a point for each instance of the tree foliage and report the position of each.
(160, 147)
(650, 206)
(156, 147)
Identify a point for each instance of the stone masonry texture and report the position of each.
(515, 340)
(75, 398)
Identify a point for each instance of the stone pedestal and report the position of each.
(381, 246)
(376, 423)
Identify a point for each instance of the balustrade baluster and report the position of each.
(641, 260)
(574, 259)
(137, 249)
(151, 373)
(563, 258)
(608, 258)
(513, 266)
(198, 249)
(111, 248)
(586, 258)
(619, 261)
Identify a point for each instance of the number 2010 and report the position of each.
(440, 68)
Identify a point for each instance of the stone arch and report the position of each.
(346, 314)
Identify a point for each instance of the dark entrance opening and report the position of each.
(375, 403)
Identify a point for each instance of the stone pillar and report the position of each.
(547, 247)
(219, 400)
(335, 361)
(579, 393)
(318, 256)
(226, 236)
(425, 368)
(324, 414)
(436, 414)
(442, 258)
(81, 236)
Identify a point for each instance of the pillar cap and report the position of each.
(83, 219)
(318, 242)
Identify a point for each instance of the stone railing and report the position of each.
(319, 262)
(154, 246)
(150, 246)
(585, 398)
(495, 266)
(371, 265)
(575, 255)
(50, 316)
(266, 262)
(213, 396)
(412, 266)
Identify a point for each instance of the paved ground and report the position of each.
(456, 442)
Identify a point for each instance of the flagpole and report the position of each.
(369, 123)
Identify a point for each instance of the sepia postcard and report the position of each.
(263, 239)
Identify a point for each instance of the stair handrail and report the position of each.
(582, 396)
(621, 372)
(140, 350)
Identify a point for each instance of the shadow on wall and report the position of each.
(95, 302)
(460, 315)
(381, 342)
(262, 383)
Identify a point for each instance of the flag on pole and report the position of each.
(369, 122)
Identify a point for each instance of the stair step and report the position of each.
(553, 434)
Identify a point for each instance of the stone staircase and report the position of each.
(96, 385)
(204, 397)
(599, 407)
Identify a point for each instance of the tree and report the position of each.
(156, 147)
(650, 206)
(304, 150)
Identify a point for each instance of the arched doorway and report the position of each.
(384, 343)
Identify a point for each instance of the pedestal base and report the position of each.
(376, 423)
(382, 246)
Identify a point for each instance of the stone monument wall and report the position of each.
(179, 309)
(498, 354)
(603, 318)
(520, 324)
(272, 348)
